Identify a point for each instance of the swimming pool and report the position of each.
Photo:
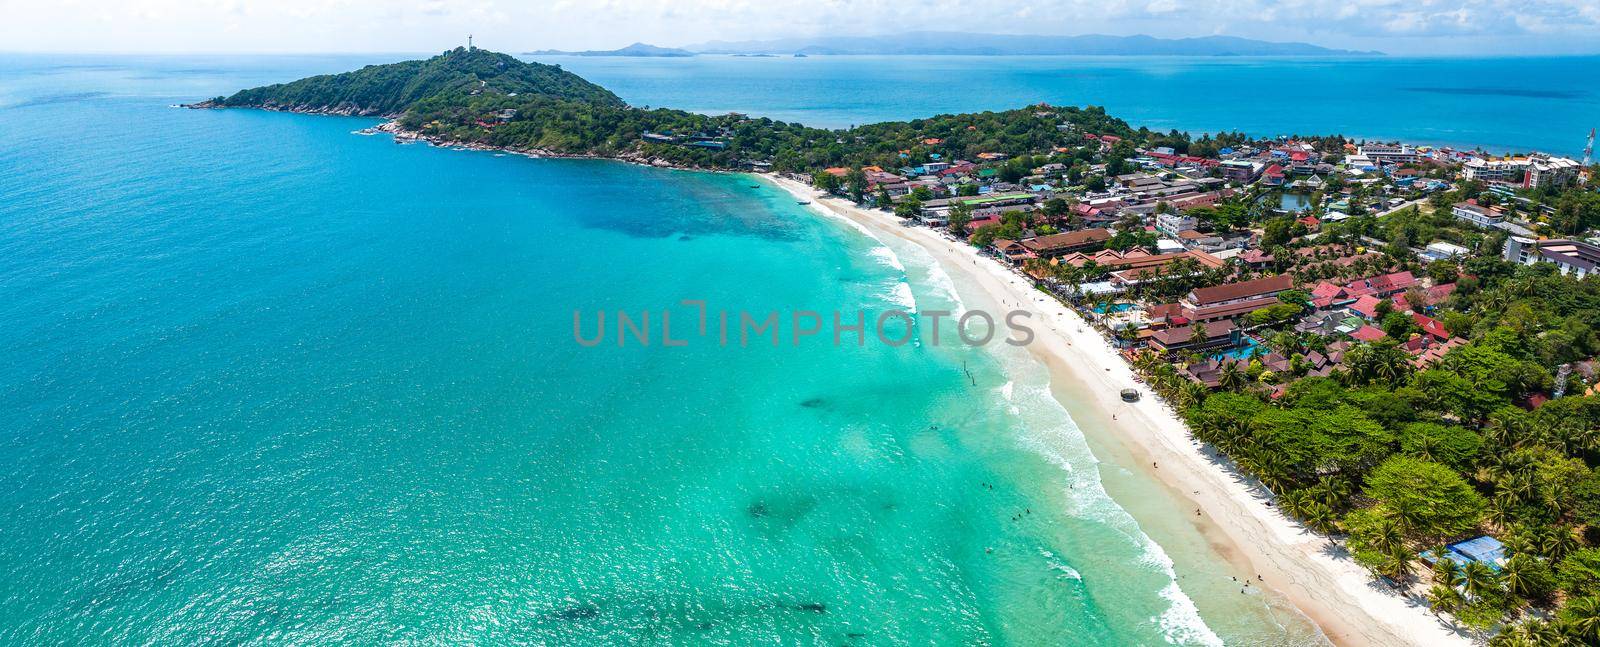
(1115, 307)
(1242, 353)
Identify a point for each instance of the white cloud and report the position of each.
(1399, 26)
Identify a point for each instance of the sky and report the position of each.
(1401, 27)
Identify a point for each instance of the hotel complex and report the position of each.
(1532, 171)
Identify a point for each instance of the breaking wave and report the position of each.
(1061, 443)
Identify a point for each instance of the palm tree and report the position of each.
(1321, 518)
(1515, 576)
(1198, 335)
(1542, 633)
(1528, 633)
(1337, 490)
(1580, 619)
(1191, 394)
(1501, 507)
(1402, 562)
(1271, 470)
(1479, 580)
(1390, 541)
(1427, 447)
(1507, 429)
(1559, 542)
(1522, 484)
(1445, 570)
(1145, 362)
(1586, 437)
(1517, 543)
(1232, 379)
(1294, 503)
(1443, 598)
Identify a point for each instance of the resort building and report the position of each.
(1012, 252)
(1233, 299)
(1390, 153)
(1532, 171)
(1137, 264)
(1477, 214)
(1237, 292)
(1573, 257)
(1217, 334)
(1062, 244)
(1360, 162)
(1383, 285)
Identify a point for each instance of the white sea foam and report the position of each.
(937, 278)
(1181, 622)
(900, 294)
(1057, 438)
(887, 256)
(1060, 565)
(947, 288)
(1060, 442)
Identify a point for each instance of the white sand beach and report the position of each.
(1349, 606)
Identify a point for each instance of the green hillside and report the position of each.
(390, 89)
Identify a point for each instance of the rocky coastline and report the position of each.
(401, 135)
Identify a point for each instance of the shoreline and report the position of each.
(1348, 605)
(391, 126)
(1343, 600)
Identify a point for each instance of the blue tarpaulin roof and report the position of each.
(1485, 549)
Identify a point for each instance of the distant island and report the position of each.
(934, 43)
(636, 49)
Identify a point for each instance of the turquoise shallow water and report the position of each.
(266, 381)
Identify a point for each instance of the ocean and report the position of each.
(268, 380)
(1500, 104)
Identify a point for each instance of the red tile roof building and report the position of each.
(1242, 290)
(1368, 333)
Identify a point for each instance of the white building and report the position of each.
(1358, 164)
(1390, 153)
(1477, 214)
(1172, 223)
(1573, 257)
(1535, 170)
(1442, 250)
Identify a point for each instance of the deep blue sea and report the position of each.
(1502, 104)
(267, 380)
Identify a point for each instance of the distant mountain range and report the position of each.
(925, 43)
(636, 49)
